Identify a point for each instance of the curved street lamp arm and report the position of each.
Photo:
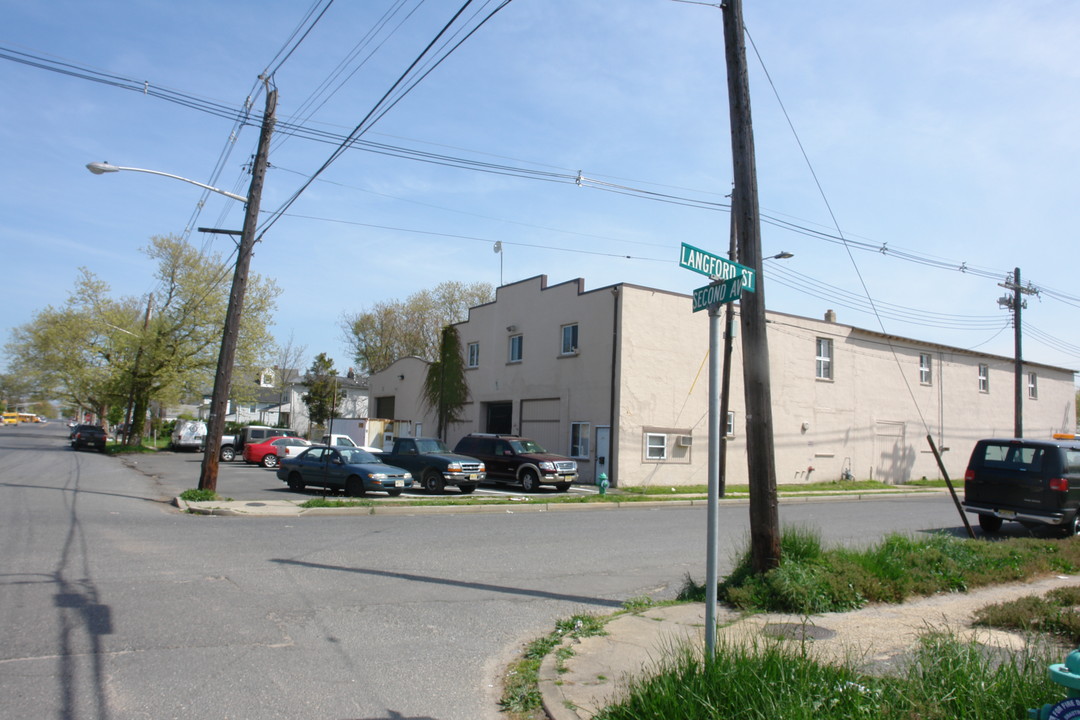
(100, 168)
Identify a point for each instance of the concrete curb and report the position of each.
(286, 508)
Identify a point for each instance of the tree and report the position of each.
(445, 388)
(97, 351)
(321, 398)
(287, 358)
(395, 329)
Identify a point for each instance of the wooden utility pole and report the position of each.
(1016, 303)
(764, 513)
(219, 402)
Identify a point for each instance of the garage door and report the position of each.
(540, 422)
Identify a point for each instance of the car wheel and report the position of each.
(393, 493)
(562, 487)
(530, 481)
(467, 489)
(434, 482)
(1073, 526)
(296, 483)
(269, 460)
(227, 454)
(990, 523)
(354, 487)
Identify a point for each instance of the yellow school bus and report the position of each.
(11, 418)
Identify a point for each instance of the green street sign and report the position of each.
(714, 266)
(723, 291)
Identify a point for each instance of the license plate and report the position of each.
(472, 477)
(399, 483)
(1006, 514)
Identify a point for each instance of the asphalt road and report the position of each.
(116, 605)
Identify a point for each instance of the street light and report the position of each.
(215, 428)
(100, 168)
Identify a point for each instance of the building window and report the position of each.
(569, 339)
(984, 378)
(926, 375)
(579, 439)
(474, 355)
(655, 446)
(1033, 386)
(729, 428)
(824, 370)
(515, 348)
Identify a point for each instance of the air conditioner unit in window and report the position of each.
(685, 441)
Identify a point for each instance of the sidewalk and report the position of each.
(876, 638)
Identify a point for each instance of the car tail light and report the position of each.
(969, 475)
(1059, 484)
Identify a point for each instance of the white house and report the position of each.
(617, 378)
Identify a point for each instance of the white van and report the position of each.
(188, 435)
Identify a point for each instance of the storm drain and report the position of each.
(798, 631)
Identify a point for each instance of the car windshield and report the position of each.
(352, 456)
(431, 446)
(526, 446)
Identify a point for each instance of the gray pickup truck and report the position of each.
(1033, 482)
(434, 464)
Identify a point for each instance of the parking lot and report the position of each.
(179, 471)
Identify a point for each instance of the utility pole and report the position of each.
(1015, 303)
(223, 378)
(761, 462)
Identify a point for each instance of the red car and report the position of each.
(269, 451)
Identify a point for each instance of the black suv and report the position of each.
(1034, 482)
(510, 458)
(88, 436)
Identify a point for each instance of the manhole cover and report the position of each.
(255, 504)
(798, 631)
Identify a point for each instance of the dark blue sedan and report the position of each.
(351, 469)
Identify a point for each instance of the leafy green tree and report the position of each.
(321, 398)
(445, 388)
(96, 351)
(395, 329)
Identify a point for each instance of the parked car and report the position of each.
(354, 470)
(233, 445)
(434, 465)
(188, 435)
(511, 458)
(270, 452)
(1033, 482)
(89, 436)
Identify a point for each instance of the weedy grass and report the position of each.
(521, 695)
(772, 679)
(199, 495)
(814, 579)
(1056, 613)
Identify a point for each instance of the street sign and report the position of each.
(723, 291)
(714, 266)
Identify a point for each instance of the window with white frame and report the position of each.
(1033, 386)
(473, 359)
(655, 446)
(824, 366)
(984, 378)
(729, 428)
(579, 439)
(569, 339)
(926, 374)
(516, 343)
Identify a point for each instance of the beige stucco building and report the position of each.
(617, 377)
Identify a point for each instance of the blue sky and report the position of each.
(942, 132)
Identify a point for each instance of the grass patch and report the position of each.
(197, 495)
(812, 579)
(521, 697)
(945, 679)
(824, 486)
(322, 502)
(1056, 613)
